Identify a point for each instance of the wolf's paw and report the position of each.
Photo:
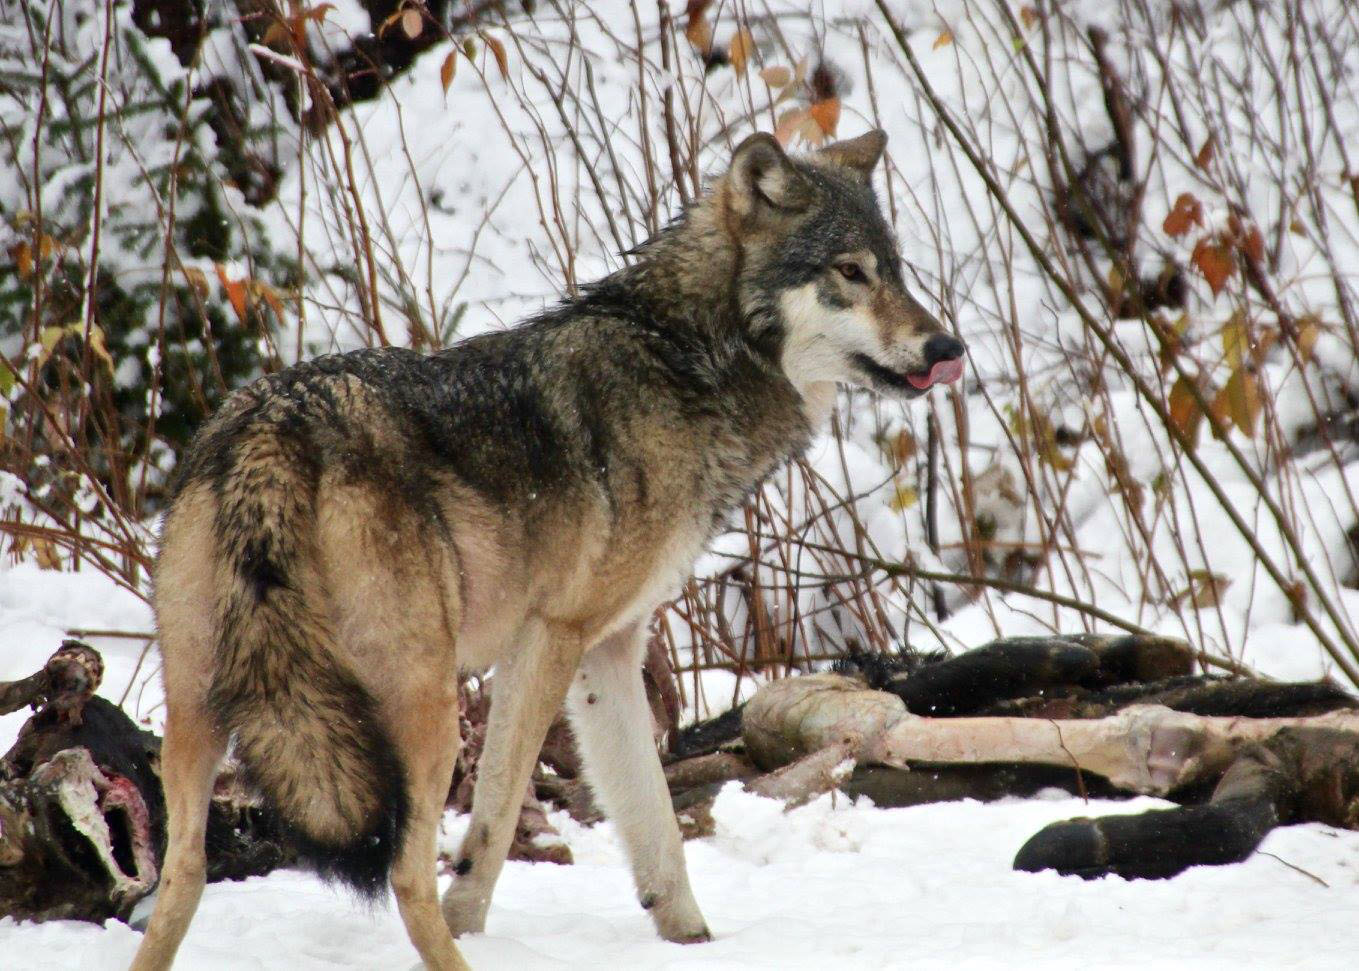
(702, 937)
(465, 911)
(678, 920)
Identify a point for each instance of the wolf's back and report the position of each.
(307, 731)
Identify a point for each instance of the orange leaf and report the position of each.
(270, 296)
(502, 61)
(1185, 411)
(1216, 262)
(700, 34)
(412, 23)
(22, 254)
(1204, 157)
(1253, 245)
(318, 12)
(903, 447)
(740, 49)
(826, 114)
(1186, 213)
(1029, 16)
(448, 69)
(235, 292)
(944, 38)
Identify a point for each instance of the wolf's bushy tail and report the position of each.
(306, 730)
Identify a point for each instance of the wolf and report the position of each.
(347, 535)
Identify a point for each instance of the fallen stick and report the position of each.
(1144, 748)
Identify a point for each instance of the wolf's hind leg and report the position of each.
(427, 734)
(612, 725)
(189, 758)
(528, 689)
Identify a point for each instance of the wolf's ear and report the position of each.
(860, 155)
(763, 177)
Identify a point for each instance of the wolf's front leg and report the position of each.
(612, 724)
(527, 693)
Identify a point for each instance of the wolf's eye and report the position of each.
(851, 271)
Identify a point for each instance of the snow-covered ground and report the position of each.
(834, 884)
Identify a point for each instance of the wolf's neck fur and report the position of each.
(686, 276)
(685, 284)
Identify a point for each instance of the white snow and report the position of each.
(834, 884)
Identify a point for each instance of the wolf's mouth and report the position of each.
(943, 372)
(914, 382)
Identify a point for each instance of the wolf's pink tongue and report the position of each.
(944, 372)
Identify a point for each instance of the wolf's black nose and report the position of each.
(942, 347)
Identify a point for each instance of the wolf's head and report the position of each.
(819, 271)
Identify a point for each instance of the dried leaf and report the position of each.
(1253, 245)
(412, 22)
(1215, 261)
(1029, 16)
(197, 279)
(1204, 157)
(235, 292)
(1205, 589)
(448, 69)
(777, 76)
(740, 49)
(49, 337)
(788, 123)
(699, 33)
(825, 81)
(281, 35)
(811, 131)
(1116, 284)
(46, 553)
(1309, 330)
(270, 296)
(1185, 214)
(318, 13)
(99, 348)
(1235, 339)
(826, 114)
(22, 254)
(498, 51)
(1185, 411)
(944, 38)
(902, 447)
(1263, 344)
(903, 497)
(1243, 400)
